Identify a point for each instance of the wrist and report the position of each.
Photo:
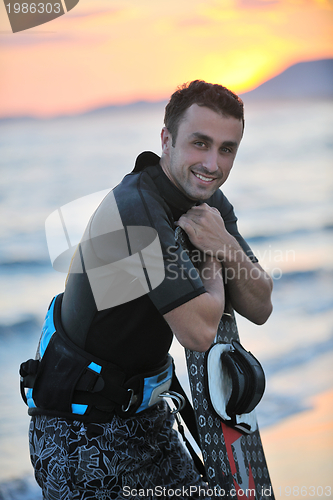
(210, 268)
(230, 252)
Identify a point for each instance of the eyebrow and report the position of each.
(209, 140)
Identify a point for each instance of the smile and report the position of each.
(203, 178)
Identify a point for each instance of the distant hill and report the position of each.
(132, 106)
(305, 80)
(311, 79)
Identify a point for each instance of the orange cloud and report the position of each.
(97, 54)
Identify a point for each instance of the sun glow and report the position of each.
(100, 54)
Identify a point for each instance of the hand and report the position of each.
(206, 230)
(249, 287)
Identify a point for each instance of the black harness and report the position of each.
(66, 381)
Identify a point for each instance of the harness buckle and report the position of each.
(130, 401)
(176, 397)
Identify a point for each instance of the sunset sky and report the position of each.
(118, 51)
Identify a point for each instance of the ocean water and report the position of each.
(281, 188)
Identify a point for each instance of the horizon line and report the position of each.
(132, 103)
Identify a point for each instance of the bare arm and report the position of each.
(249, 286)
(195, 323)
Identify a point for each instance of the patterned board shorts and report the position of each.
(132, 458)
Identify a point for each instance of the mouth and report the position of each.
(203, 178)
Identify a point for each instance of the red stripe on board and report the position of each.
(230, 436)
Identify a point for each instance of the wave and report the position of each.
(274, 408)
(20, 264)
(261, 238)
(306, 292)
(20, 489)
(298, 356)
(22, 327)
(298, 279)
(300, 276)
(303, 275)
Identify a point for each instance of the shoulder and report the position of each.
(139, 201)
(134, 202)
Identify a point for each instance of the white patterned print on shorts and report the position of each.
(78, 461)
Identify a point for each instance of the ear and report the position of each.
(166, 140)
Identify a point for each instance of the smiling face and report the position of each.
(204, 151)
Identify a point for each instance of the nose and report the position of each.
(210, 162)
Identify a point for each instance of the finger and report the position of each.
(202, 210)
(201, 219)
(190, 218)
(188, 228)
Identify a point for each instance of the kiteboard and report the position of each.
(234, 460)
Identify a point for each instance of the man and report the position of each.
(109, 443)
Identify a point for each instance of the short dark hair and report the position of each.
(213, 96)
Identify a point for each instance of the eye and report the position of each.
(226, 150)
(200, 144)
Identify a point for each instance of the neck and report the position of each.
(164, 164)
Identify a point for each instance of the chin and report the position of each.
(198, 194)
(204, 196)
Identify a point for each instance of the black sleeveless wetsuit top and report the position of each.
(134, 335)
